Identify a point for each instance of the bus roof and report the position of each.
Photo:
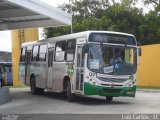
(72, 36)
(30, 43)
(81, 35)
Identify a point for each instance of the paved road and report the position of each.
(23, 102)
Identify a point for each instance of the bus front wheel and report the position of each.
(109, 99)
(70, 96)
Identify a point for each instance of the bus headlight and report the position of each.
(93, 82)
(131, 83)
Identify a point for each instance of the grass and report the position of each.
(16, 86)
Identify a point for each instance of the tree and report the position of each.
(82, 11)
(86, 8)
(150, 29)
(154, 3)
(120, 17)
(127, 19)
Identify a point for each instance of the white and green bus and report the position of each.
(87, 63)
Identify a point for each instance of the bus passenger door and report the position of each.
(50, 66)
(27, 67)
(79, 69)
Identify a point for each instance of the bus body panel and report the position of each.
(59, 71)
(40, 73)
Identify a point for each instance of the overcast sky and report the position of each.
(5, 36)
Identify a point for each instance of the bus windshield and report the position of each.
(112, 60)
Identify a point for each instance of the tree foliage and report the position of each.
(155, 4)
(111, 16)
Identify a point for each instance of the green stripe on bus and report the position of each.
(108, 91)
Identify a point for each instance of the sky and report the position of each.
(5, 36)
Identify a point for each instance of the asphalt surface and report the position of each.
(23, 102)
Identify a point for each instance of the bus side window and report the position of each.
(28, 54)
(50, 57)
(42, 52)
(70, 51)
(60, 51)
(35, 53)
(78, 56)
(23, 52)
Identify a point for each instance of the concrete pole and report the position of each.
(19, 36)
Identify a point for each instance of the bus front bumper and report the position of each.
(109, 91)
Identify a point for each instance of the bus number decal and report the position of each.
(108, 69)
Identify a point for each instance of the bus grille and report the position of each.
(112, 80)
(111, 90)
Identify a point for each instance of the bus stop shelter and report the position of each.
(20, 14)
(16, 14)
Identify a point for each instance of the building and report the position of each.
(6, 68)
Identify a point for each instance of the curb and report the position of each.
(4, 95)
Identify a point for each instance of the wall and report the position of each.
(24, 35)
(149, 67)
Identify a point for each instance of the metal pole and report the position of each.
(71, 12)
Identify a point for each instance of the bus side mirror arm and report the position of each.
(139, 51)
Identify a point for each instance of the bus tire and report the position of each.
(109, 98)
(34, 89)
(40, 91)
(70, 96)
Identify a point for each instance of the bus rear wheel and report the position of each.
(34, 89)
(70, 96)
(109, 98)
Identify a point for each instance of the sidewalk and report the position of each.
(149, 90)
